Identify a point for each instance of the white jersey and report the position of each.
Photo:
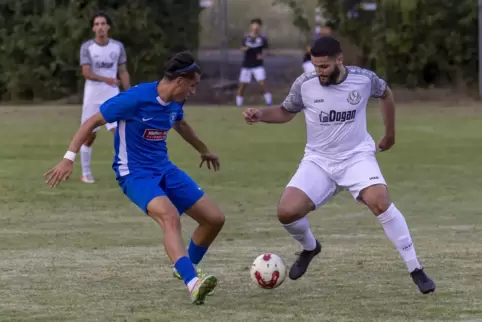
(336, 114)
(104, 61)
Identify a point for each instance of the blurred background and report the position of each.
(427, 50)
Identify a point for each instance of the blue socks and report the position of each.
(196, 253)
(185, 265)
(185, 268)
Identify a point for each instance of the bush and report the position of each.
(40, 41)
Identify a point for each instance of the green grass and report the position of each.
(85, 253)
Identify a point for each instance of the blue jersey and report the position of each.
(143, 123)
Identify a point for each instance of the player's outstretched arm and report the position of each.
(270, 115)
(292, 105)
(387, 108)
(188, 134)
(63, 170)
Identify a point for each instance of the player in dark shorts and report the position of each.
(325, 30)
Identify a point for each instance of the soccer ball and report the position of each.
(268, 271)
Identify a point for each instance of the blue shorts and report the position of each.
(175, 184)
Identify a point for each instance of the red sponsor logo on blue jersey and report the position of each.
(155, 135)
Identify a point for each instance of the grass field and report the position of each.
(85, 253)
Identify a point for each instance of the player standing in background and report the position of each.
(340, 153)
(255, 48)
(101, 59)
(326, 30)
(143, 170)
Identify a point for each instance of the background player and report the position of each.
(255, 48)
(339, 153)
(145, 114)
(325, 30)
(101, 59)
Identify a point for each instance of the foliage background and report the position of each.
(40, 41)
(412, 43)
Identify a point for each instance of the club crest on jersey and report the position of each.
(354, 97)
(113, 55)
(172, 118)
(154, 135)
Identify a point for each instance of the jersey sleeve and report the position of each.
(293, 103)
(378, 85)
(243, 41)
(85, 55)
(180, 115)
(265, 43)
(122, 56)
(121, 107)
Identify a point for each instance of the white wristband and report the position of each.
(70, 155)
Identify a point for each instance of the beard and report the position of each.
(332, 78)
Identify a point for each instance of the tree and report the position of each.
(410, 42)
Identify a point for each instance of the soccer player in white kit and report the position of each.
(101, 59)
(340, 153)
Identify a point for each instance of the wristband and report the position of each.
(70, 156)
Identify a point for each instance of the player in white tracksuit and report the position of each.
(339, 153)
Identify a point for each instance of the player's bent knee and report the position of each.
(205, 212)
(381, 205)
(167, 220)
(290, 212)
(164, 213)
(294, 205)
(287, 214)
(376, 198)
(218, 221)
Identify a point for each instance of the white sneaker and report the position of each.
(87, 179)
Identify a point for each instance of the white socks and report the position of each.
(239, 101)
(267, 98)
(397, 231)
(393, 223)
(300, 230)
(192, 283)
(85, 157)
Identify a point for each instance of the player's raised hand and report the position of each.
(60, 173)
(211, 159)
(386, 143)
(252, 115)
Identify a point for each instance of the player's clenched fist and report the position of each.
(252, 115)
(61, 172)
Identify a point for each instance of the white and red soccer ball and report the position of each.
(268, 271)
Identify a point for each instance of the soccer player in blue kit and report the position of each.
(145, 114)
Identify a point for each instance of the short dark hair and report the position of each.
(256, 20)
(182, 64)
(325, 46)
(100, 14)
(330, 24)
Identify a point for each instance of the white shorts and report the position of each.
(246, 74)
(308, 66)
(321, 182)
(89, 110)
(94, 97)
